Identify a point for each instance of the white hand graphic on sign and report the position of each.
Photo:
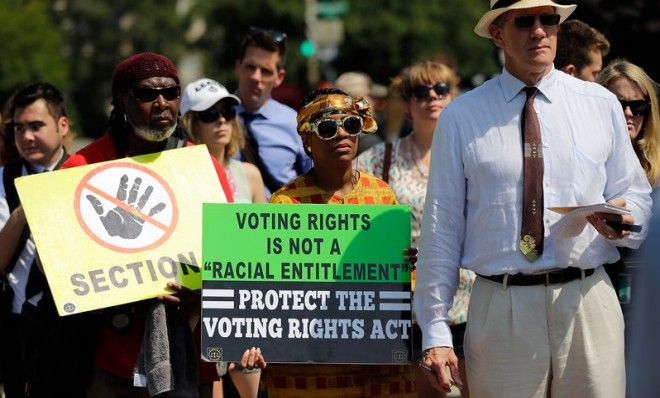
(119, 221)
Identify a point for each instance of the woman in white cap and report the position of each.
(210, 118)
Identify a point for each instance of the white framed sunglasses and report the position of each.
(326, 129)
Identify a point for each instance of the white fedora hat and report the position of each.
(499, 7)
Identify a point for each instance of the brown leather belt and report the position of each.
(548, 278)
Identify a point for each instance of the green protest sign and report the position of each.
(315, 243)
(331, 277)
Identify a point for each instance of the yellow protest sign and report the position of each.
(116, 232)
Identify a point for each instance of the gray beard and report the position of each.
(152, 135)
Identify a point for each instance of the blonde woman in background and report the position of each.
(425, 88)
(638, 95)
(210, 118)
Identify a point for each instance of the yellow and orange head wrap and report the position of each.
(329, 104)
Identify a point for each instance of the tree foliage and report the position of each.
(398, 33)
(100, 34)
(75, 44)
(30, 48)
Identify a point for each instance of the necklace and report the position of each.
(417, 158)
(355, 177)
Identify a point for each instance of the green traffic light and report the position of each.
(307, 48)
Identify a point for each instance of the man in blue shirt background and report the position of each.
(272, 142)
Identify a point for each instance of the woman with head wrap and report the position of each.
(329, 123)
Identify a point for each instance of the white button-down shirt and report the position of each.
(473, 207)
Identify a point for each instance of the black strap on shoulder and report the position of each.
(36, 279)
(387, 162)
(12, 171)
(175, 142)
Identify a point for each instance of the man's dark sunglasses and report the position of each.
(424, 92)
(212, 114)
(148, 94)
(637, 107)
(527, 21)
(276, 36)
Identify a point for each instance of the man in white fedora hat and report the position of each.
(544, 318)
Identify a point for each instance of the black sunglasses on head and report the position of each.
(327, 129)
(527, 21)
(637, 107)
(212, 114)
(424, 92)
(275, 35)
(148, 94)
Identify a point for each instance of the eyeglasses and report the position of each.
(527, 21)
(637, 107)
(148, 94)
(424, 92)
(276, 36)
(327, 129)
(212, 114)
(21, 128)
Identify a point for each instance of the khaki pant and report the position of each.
(545, 341)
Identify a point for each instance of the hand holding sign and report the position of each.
(187, 301)
(121, 221)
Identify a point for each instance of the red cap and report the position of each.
(139, 67)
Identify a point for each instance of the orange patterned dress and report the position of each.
(338, 381)
(367, 190)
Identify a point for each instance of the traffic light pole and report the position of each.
(313, 68)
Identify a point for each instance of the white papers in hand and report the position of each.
(575, 218)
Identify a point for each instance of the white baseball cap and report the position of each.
(201, 94)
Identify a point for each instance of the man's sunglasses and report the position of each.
(637, 107)
(527, 21)
(327, 129)
(276, 36)
(212, 114)
(424, 92)
(148, 94)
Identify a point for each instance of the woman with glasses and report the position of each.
(329, 123)
(210, 118)
(638, 95)
(425, 88)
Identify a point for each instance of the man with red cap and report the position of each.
(145, 119)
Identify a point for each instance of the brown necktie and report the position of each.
(531, 231)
